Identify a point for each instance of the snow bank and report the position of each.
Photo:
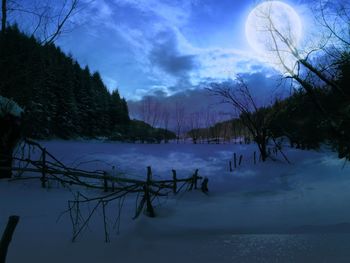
(8, 106)
(269, 212)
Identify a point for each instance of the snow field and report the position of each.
(269, 212)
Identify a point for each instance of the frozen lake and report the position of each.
(268, 212)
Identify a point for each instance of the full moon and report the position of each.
(266, 21)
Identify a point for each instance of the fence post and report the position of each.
(204, 186)
(7, 236)
(195, 178)
(149, 174)
(113, 175)
(240, 160)
(43, 171)
(149, 207)
(235, 160)
(230, 164)
(254, 157)
(175, 181)
(105, 182)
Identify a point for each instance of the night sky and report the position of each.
(171, 48)
(165, 46)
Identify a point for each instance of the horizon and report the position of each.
(184, 48)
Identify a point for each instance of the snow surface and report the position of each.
(269, 212)
(9, 106)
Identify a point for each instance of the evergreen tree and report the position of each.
(59, 97)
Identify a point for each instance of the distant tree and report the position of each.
(298, 119)
(215, 130)
(179, 119)
(150, 111)
(139, 131)
(165, 117)
(60, 99)
(194, 124)
(118, 110)
(210, 121)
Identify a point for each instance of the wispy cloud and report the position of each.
(143, 46)
(172, 13)
(265, 88)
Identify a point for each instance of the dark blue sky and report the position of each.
(169, 46)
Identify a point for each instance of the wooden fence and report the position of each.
(272, 153)
(48, 168)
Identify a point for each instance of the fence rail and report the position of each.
(48, 168)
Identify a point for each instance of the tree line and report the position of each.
(319, 110)
(297, 118)
(60, 98)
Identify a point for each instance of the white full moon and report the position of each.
(266, 21)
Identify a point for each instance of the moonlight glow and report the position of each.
(272, 13)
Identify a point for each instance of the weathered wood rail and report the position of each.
(7, 237)
(48, 168)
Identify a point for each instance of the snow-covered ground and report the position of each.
(268, 212)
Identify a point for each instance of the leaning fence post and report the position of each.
(195, 178)
(175, 181)
(43, 171)
(7, 236)
(240, 160)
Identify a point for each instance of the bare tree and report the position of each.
(150, 111)
(215, 128)
(165, 116)
(47, 19)
(144, 109)
(179, 119)
(225, 131)
(334, 16)
(255, 119)
(318, 64)
(194, 125)
(209, 121)
(304, 68)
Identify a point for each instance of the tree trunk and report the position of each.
(6, 161)
(4, 16)
(10, 134)
(261, 142)
(263, 151)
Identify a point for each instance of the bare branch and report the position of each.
(62, 19)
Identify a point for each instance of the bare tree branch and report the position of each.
(62, 19)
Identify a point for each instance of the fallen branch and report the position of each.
(7, 237)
